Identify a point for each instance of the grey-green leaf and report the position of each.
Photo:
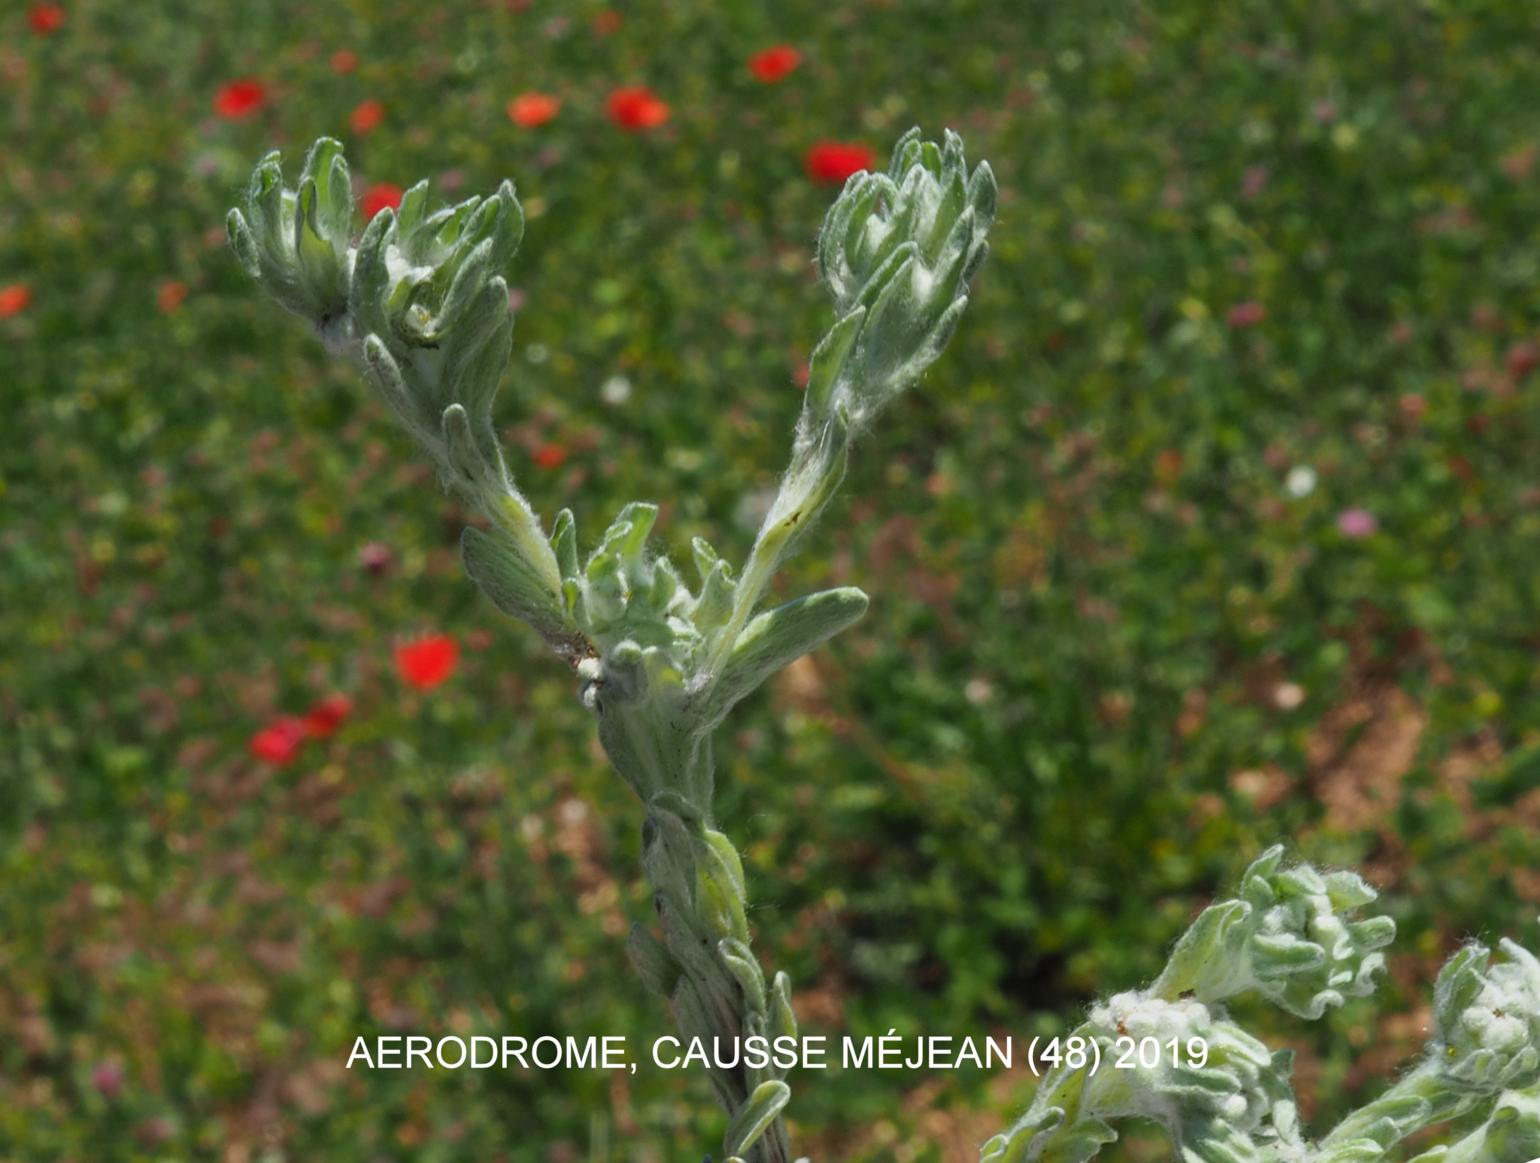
(244, 244)
(829, 359)
(505, 577)
(654, 964)
(779, 636)
(751, 1120)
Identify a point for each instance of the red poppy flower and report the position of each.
(380, 196)
(550, 456)
(637, 108)
(170, 295)
(279, 742)
(344, 61)
(608, 21)
(327, 715)
(428, 661)
(366, 117)
(240, 99)
(835, 161)
(45, 18)
(14, 299)
(772, 64)
(529, 110)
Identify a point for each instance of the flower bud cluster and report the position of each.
(1236, 1104)
(1291, 935)
(421, 303)
(420, 298)
(297, 243)
(1231, 1105)
(1487, 1018)
(897, 252)
(649, 629)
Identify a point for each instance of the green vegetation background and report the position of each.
(1110, 656)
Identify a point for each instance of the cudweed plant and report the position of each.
(418, 301)
(1293, 936)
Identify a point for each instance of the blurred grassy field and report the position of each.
(1217, 526)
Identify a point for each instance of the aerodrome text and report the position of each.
(890, 1051)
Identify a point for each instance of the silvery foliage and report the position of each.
(419, 301)
(1293, 936)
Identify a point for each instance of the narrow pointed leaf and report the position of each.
(465, 458)
(740, 962)
(511, 582)
(564, 543)
(409, 215)
(243, 243)
(983, 195)
(778, 637)
(783, 1019)
(828, 360)
(654, 964)
(754, 1117)
(715, 603)
(387, 377)
(640, 517)
(371, 277)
